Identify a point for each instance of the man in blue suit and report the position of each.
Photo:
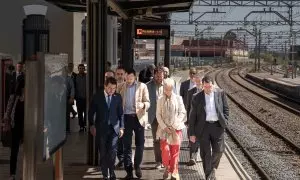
(108, 124)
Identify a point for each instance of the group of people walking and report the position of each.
(125, 106)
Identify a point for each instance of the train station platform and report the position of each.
(75, 156)
(276, 82)
(277, 77)
(75, 167)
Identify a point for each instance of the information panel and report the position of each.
(55, 101)
(152, 31)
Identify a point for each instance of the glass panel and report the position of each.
(55, 103)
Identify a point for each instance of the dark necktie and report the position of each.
(108, 101)
(108, 105)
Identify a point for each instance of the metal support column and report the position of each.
(259, 44)
(157, 51)
(96, 58)
(33, 113)
(127, 43)
(255, 50)
(167, 53)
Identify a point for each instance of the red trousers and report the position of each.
(170, 154)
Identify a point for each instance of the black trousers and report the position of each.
(81, 108)
(212, 146)
(68, 110)
(17, 137)
(132, 124)
(193, 147)
(156, 142)
(120, 152)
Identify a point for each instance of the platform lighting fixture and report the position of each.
(35, 10)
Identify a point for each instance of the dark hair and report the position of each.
(131, 71)
(110, 80)
(11, 67)
(80, 65)
(120, 67)
(20, 62)
(158, 69)
(207, 79)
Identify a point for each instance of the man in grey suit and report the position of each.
(207, 122)
(186, 85)
(155, 88)
(198, 88)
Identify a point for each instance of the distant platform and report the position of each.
(276, 82)
(278, 77)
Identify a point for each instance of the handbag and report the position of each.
(173, 138)
(6, 134)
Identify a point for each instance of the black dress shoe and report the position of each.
(192, 162)
(138, 172)
(212, 175)
(112, 175)
(128, 177)
(81, 129)
(105, 178)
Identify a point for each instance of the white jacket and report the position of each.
(174, 116)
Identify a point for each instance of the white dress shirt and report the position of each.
(210, 107)
(192, 84)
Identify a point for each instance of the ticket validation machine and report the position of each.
(45, 113)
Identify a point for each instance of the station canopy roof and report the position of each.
(131, 8)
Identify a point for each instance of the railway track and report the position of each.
(269, 150)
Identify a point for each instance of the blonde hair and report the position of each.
(169, 82)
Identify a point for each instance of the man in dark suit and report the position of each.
(198, 88)
(73, 77)
(186, 85)
(15, 75)
(207, 122)
(108, 124)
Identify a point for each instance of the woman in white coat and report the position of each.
(170, 114)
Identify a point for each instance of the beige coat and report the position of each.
(141, 95)
(174, 118)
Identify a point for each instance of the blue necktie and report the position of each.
(108, 105)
